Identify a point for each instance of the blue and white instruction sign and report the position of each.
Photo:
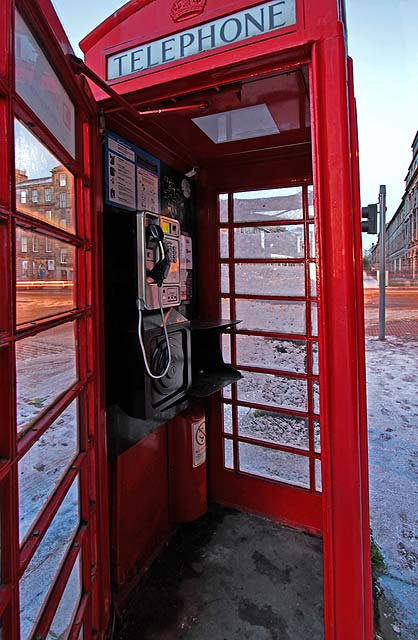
(132, 176)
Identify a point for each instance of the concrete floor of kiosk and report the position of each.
(230, 576)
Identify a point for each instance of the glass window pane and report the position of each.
(227, 392)
(226, 348)
(225, 278)
(223, 207)
(38, 85)
(223, 243)
(64, 615)
(318, 476)
(315, 392)
(228, 454)
(317, 436)
(312, 277)
(314, 319)
(36, 169)
(312, 246)
(225, 308)
(274, 391)
(310, 201)
(269, 242)
(268, 204)
(272, 315)
(315, 363)
(44, 276)
(285, 355)
(275, 465)
(278, 428)
(45, 368)
(43, 467)
(270, 279)
(42, 570)
(227, 413)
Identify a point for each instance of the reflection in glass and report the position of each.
(67, 608)
(272, 315)
(38, 85)
(225, 278)
(43, 467)
(318, 476)
(275, 465)
(44, 276)
(227, 413)
(44, 566)
(270, 353)
(44, 187)
(223, 207)
(274, 391)
(223, 243)
(228, 454)
(270, 279)
(269, 242)
(45, 368)
(277, 428)
(268, 204)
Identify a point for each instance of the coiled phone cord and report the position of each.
(141, 342)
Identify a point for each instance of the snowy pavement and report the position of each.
(393, 457)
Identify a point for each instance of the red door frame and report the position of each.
(91, 539)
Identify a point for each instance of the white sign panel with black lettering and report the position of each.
(242, 25)
(147, 184)
(120, 177)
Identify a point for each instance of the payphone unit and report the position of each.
(158, 239)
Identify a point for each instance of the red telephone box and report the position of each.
(253, 103)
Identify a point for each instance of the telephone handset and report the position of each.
(158, 240)
(161, 268)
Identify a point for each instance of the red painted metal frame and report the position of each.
(348, 612)
(90, 464)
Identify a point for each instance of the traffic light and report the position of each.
(370, 224)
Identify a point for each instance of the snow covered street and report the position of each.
(393, 455)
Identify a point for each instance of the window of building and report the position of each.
(23, 196)
(48, 195)
(63, 179)
(48, 245)
(24, 244)
(34, 195)
(35, 244)
(63, 200)
(64, 256)
(48, 215)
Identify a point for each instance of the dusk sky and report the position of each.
(383, 44)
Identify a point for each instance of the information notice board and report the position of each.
(132, 176)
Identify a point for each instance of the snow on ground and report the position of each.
(393, 457)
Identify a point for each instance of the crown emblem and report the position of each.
(185, 9)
